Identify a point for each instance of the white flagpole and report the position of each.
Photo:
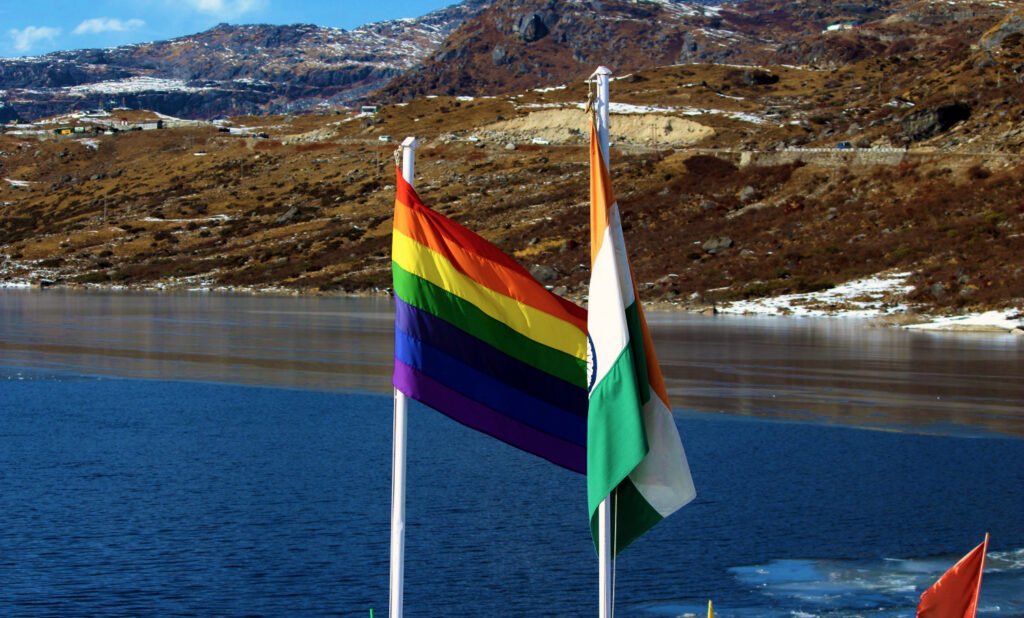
(604, 524)
(397, 586)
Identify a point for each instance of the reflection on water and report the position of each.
(840, 370)
(843, 370)
(305, 342)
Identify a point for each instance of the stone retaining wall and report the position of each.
(866, 157)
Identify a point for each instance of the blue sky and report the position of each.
(31, 28)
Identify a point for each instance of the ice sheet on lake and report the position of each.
(886, 588)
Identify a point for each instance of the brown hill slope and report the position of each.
(309, 208)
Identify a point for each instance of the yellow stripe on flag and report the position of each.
(542, 327)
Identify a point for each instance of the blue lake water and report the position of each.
(201, 494)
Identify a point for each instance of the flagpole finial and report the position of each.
(408, 149)
(601, 78)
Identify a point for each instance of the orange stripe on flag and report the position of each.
(654, 377)
(601, 197)
(504, 277)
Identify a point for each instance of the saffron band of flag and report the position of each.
(634, 453)
(481, 341)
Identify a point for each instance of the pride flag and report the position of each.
(481, 341)
(634, 452)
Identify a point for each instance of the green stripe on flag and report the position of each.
(424, 295)
(616, 442)
(636, 343)
(631, 516)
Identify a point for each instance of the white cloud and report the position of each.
(227, 8)
(27, 38)
(97, 25)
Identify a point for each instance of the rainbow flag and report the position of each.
(481, 341)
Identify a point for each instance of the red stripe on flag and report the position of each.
(470, 254)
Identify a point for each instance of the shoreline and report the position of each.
(871, 300)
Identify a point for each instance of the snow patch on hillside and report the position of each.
(863, 298)
(133, 85)
(989, 321)
(627, 108)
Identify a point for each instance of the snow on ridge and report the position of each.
(137, 83)
(613, 108)
(628, 108)
(251, 81)
(687, 9)
(741, 116)
(550, 88)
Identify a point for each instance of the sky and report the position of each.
(36, 27)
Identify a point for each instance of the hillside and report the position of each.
(730, 180)
(884, 139)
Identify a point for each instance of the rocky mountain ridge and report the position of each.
(515, 44)
(227, 70)
(472, 48)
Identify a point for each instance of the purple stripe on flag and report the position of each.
(442, 336)
(477, 416)
(503, 398)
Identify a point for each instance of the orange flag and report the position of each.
(955, 595)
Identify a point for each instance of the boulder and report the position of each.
(533, 27)
(288, 216)
(716, 244)
(499, 56)
(933, 121)
(747, 193)
(543, 273)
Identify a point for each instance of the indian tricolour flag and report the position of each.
(634, 453)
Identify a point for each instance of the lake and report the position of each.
(205, 454)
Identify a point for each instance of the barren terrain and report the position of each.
(777, 186)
